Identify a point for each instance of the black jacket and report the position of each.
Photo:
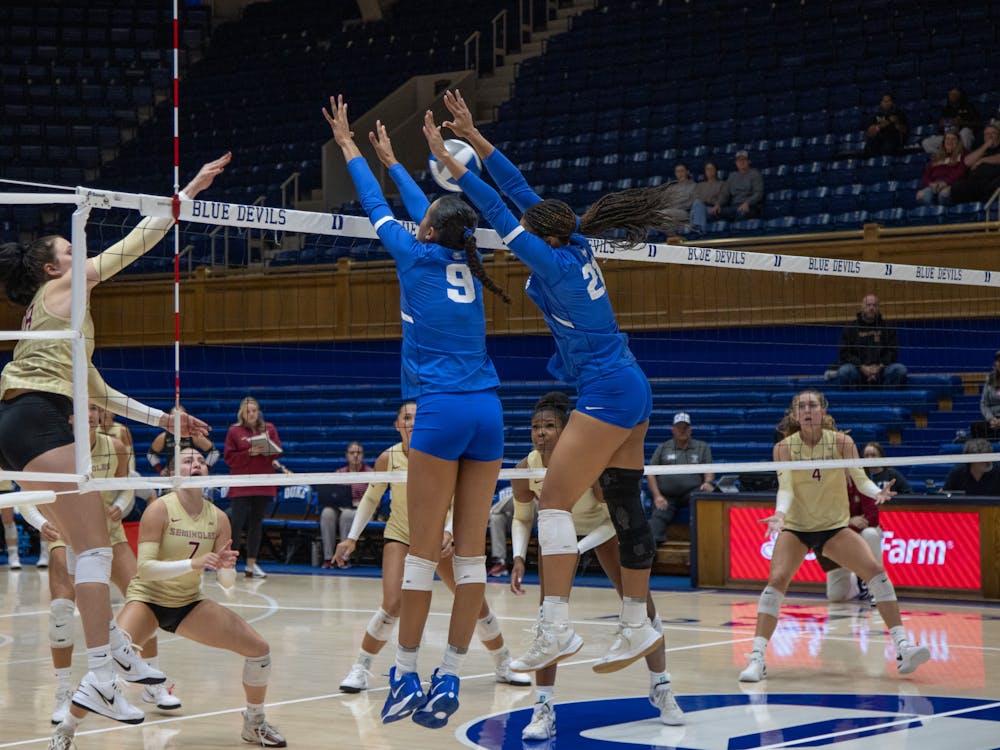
(864, 343)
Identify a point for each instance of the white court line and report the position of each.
(895, 723)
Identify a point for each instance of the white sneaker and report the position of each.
(552, 644)
(259, 732)
(62, 739)
(43, 556)
(107, 700)
(13, 559)
(255, 572)
(543, 723)
(133, 669)
(356, 680)
(755, 670)
(507, 677)
(911, 657)
(162, 696)
(662, 697)
(632, 642)
(64, 696)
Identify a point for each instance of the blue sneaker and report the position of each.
(405, 696)
(441, 703)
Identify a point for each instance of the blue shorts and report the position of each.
(452, 426)
(622, 398)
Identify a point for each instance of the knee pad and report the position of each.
(257, 671)
(596, 538)
(61, 623)
(469, 569)
(770, 601)
(381, 625)
(418, 573)
(556, 532)
(840, 586)
(881, 589)
(623, 495)
(873, 538)
(488, 628)
(94, 566)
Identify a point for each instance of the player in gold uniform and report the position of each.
(592, 522)
(36, 392)
(181, 534)
(812, 512)
(396, 545)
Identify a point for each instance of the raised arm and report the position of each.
(413, 197)
(124, 406)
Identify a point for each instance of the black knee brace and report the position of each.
(622, 493)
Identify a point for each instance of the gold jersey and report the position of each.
(117, 431)
(398, 525)
(588, 514)
(184, 537)
(820, 495)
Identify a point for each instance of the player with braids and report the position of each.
(603, 440)
(592, 522)
(457, 444)
(812, 512)
(36, 401)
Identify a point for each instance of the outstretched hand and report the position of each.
(432, 132)
(461, 123)
(339, 124)
(886, 494)
(190, 426)
(207, 174)
(383, 146)
(775, 523)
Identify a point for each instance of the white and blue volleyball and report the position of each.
(464, 154)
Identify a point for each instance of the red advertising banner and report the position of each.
(919, 548)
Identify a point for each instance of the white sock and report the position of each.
(633, 611)
(500, 655)
(365, 659)
(452, 661)
(406, 659)
(99, 662)
(10, 536)
(899, 638)
(255, 710)
(64, 678)
(759, 645)
(545, 693)
(69, 724)
(116, 636)
(555, 610)
(658, 678)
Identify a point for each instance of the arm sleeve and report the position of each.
(151, 569)
(863, 482)
(134, 245)
(786, 494)
(413, 197)
(154, 459)
(510, 180)
(366, 509)
(520, 528)
(33, 516)
(211, 457)
(118, 403)
(125, 501)
(401, 244)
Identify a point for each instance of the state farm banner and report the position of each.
(919, 548)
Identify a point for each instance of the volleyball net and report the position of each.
(300, 310)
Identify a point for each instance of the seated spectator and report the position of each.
(983, 177)
(501, 518)
(868, 350)
(958, 115)
(887, 130)
(989, 405)
(671, 492)
(944, 169)
(677, 195)
(161, 450)
(740, 197)
(976, 478)
(331, 518)
(882, 475)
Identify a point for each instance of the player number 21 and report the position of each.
(594, 279)
(461, 287)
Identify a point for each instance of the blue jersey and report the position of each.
(441, 303)
(565, 282)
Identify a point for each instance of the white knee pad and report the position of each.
(770, 601)
(873, 538)
(469, 569)
(556, 532)
(94, 566)
(840, 586)
(881, 589)
(61, 623)
(70, 561)
(257, 671)
(488, 628)
(418, 573)
(381, 625)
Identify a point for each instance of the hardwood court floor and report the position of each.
(831, 675)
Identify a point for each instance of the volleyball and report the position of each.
(464, 154)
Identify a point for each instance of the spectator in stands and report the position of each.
(679, 192)
(868, 349)
(887, 130)
(671, 492)
(959, 115)
(983, 177)
(332, 519)
(989, 405)
(741, 196)
(882, 475)
(708, 189)
(501, 518)
(161, 450)
(945, 168)
(976, 478)
(247, 504)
